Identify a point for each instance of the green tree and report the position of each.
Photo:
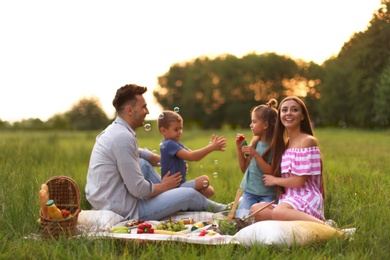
(5, 125)
(59, 121)
(223, 90)
(87, 114)
(382, 99)
(351, 78)
(30, 124)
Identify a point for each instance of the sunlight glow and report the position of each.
(54, 53)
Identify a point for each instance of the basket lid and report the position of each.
(64, 191)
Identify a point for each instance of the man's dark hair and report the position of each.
(126, 95)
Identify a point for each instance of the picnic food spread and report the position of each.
(178, 228)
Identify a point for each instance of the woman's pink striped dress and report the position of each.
(308, 198)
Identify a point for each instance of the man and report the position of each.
(115, 181)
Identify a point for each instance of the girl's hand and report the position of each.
(269, 180)
(218, 143)
(239, 139)
(248, 150)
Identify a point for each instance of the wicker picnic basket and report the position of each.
(66, 195)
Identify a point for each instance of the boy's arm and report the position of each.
(216, 144)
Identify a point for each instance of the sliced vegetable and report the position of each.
(203, 233)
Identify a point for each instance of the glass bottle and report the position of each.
(54, 212)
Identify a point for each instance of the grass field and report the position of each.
(357, 170)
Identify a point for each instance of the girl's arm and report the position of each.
(294, 181)
(265, 166)
(216, 144)
(242, 161)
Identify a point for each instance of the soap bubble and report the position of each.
(205, 183)
(147, 127)
(176, 109)
(201, 166)
(161, 116)
(216, 162)
(215, 175)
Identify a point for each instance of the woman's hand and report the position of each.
(269, 180)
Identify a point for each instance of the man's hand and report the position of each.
(171, 181)
(167, 183)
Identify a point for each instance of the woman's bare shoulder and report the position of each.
(309, 141)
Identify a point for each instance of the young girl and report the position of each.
(251, 160)
(298, 167)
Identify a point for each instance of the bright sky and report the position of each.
(53, 53)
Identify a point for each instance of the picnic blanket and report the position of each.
(280, 233)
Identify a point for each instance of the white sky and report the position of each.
(53, 53)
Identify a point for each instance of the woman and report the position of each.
(297, 167)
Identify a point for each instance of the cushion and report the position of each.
(285, 233)
(98, 218)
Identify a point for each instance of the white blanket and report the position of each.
(281, 233)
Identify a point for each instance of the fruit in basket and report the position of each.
(65, 213)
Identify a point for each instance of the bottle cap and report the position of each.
(49, 202)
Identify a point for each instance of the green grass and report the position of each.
(357, 171)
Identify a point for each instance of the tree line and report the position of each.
(85, 114)
(349, 90)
